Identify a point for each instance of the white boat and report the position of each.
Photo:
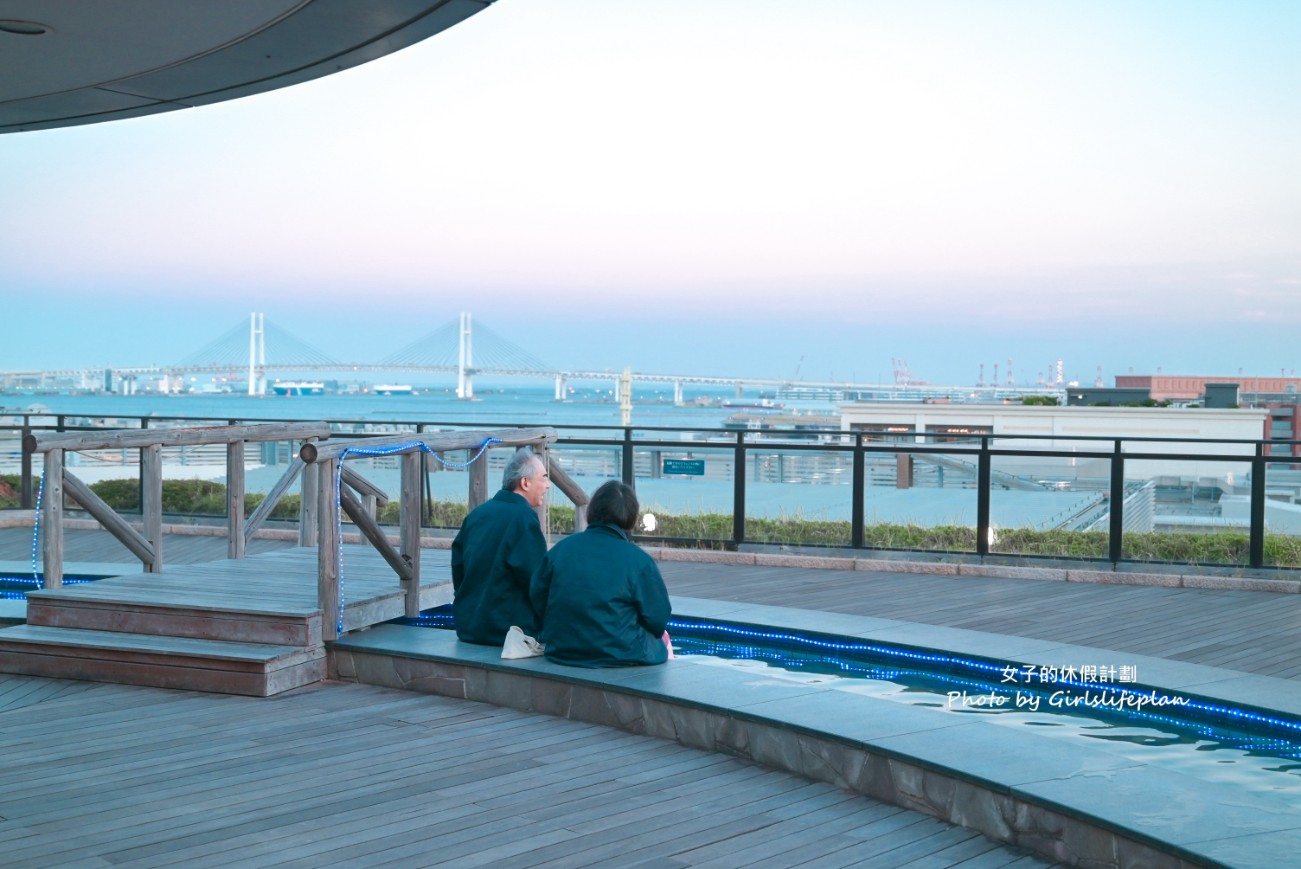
(393, 389)
(763, 405)
(299, 387)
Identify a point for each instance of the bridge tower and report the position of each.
(625, 397)
(465, 364)
(257, 355)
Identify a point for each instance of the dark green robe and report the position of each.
(602, 601)
(494, 555)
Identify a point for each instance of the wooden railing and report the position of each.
(148, 546)
(332, 503)
(318, 462)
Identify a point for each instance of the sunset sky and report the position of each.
(757, 187)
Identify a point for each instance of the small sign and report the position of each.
(686, 467)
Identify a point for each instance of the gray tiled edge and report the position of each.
(1080, 807)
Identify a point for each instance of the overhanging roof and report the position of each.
(69, 62)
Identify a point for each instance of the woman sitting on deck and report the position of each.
(599, 596)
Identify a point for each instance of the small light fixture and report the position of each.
(22, 28)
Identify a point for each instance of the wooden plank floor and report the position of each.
(109, 775)
(98, 775)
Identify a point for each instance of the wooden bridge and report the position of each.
(243, 625)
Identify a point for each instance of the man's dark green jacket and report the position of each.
(494, 555)
(602, 601)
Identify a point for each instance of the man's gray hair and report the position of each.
(519, 467)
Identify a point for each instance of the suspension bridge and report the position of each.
(253, 351)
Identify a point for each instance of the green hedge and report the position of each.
(189, 498)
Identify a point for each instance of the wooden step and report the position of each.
(57, 609)
(253, 669)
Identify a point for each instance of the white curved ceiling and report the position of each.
(68, 62)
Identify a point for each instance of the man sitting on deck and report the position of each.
(494, 555)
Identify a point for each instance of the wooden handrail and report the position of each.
(434, 441)
(148, 546)
(40, 442)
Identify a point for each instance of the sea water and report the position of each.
(589, 410)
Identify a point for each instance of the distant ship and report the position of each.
(393, 389)
(299, 387)
(763, 405)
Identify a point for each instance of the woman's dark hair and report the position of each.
(614, 503)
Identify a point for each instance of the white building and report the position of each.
(1173, 430)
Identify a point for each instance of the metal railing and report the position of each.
(977, 456)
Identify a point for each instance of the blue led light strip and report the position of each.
(371, 452)
(36, 534)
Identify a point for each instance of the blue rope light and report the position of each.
(372, 452)
(36, 534)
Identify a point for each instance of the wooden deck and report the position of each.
(111, 775)
(334, 774)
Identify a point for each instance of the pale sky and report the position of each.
(718, 186)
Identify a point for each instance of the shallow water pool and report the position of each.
(1202, 738)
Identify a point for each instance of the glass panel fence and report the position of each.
(1282, 511)
(799, 497)
(588, 465)
(1048, 506)
(11, 466)
(921, 500)
(1187, 511)
(688, 489)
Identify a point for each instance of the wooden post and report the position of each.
(235, 499)
(478, 474)
(52, 519)
(309, 505)
(327, 551)
(151, 482)
(409, 528)
(544, 509)
(571, 490)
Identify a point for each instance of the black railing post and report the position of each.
(983, 484)
(860, 492)
(738, 491)
(25, 485)
(1256, 531)
(628, 475)
(1116, 533)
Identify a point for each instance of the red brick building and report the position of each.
(1179, 387)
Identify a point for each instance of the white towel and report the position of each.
(520, 645)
